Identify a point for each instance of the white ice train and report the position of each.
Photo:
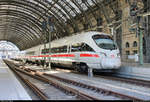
(81, 51)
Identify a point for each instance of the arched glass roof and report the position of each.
(4, 45)
(8, 49)
(21, 20)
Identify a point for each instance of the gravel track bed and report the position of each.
(90, 92)
(109, 81)
(125, 88)
(29, 91)
(50, 91)
(118, 86)
(97, 78)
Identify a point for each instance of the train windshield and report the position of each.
(105, 42)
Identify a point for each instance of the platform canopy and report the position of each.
(21, 20)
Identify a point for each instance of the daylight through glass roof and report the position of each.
(21, 20)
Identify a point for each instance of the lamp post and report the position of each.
(140, 33)
(44, 26)
(51, 28)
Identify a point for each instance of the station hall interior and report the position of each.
(75, 50)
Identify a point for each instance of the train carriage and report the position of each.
(81, 51)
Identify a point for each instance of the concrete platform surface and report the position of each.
(10, 87)
(134, 70)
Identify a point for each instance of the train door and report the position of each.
(75, 50)
(71, 55)
(66, 57)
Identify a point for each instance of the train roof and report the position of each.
(90, 33)
(76, 38)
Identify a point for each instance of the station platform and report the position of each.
(135, 70)
(136, 65)
(10, 87)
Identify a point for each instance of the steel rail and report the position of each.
(120, 78)
(34, 88)
(54, 83)
(81, 84)
(84, 85)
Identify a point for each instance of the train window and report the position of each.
(81, 47)
(44, 51)
(86, 47)
(47, 50)
(59, 49)
(53, 50)
(105, 42)
(56, 50)
(75, 48)
(64, 48)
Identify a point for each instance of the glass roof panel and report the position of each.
(74, 6)
(56, 5)
(90, 2)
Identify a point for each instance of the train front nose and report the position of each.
(111, 63)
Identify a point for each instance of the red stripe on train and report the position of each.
(63, 55)
(60, 55)
(43, 56)
(69, 55)
(89, 55)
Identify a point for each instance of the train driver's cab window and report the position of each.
(105, 42)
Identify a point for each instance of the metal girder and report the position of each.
(73, 22)
(18, 28)
(16, 33)
(15, 3)
(81, 9)
(102, 9)
(26, 17)
(22, 23)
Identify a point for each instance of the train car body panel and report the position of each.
(96, 50)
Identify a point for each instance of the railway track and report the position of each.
(117, 78)
(127, 80)
(43, 76)
(138, 82)
(67, 89)
(33, 87)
